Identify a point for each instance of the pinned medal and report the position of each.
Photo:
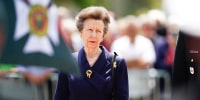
(88, 73)
(114, 64)
(191, 70)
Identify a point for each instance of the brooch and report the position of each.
(88, 73)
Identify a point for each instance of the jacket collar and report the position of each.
(103, 60)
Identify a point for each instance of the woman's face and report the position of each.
(92, 33)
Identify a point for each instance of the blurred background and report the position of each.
(37, 38)
(121, 8)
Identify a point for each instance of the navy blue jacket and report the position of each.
(99, 85)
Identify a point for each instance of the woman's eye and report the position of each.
(90, 30)
(98, 32)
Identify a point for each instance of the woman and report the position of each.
(95, 63)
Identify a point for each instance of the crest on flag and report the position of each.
(32, 36)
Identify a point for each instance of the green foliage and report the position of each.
(137, 7)
(120, 7)
(85, 3)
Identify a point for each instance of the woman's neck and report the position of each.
(92, 55)
(91, 52)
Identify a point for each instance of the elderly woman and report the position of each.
(103, 76)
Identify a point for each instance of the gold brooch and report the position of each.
(88, 73)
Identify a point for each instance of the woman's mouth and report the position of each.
(92, 41)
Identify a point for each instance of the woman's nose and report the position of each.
(93, 34)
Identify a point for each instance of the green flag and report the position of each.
(32, 37)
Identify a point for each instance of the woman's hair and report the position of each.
(94, 12)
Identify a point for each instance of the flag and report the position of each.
(32, 36)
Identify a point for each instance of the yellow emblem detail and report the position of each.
(114, 64)
(88, 73)
(38, 20)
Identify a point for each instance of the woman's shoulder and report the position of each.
(110, 56)
(114, 57)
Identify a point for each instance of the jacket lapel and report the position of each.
(101, 70)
